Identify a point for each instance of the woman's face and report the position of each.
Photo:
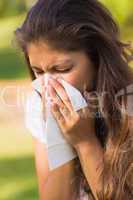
(74, 67)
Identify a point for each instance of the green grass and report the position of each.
(12, 64)
(17, 179)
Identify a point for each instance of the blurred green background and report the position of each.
(17, 169)
(12, 14)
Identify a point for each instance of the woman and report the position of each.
(79, 40)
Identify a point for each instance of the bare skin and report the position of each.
(43, 58)
(80, 74)
(57, 184)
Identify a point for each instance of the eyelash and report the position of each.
(62, 71)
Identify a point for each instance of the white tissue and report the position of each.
(34, 116)
(59, 150)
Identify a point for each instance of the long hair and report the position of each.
(72, 25)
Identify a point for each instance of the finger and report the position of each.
(65, 112)
(63, 109)
(61, 92)
(58, 115)
(54, 96)
(85, 113)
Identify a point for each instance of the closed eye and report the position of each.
(65, 70)
(38, 72)
(53, 70)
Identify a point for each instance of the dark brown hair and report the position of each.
(71, 25)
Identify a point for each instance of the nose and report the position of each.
(45, 77)
(48, 75)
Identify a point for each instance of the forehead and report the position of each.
(40, 52)
(41, 55)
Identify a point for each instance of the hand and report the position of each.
(76, 126)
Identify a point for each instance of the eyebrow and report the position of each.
(68, 61)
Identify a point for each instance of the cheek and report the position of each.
(78, 79)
